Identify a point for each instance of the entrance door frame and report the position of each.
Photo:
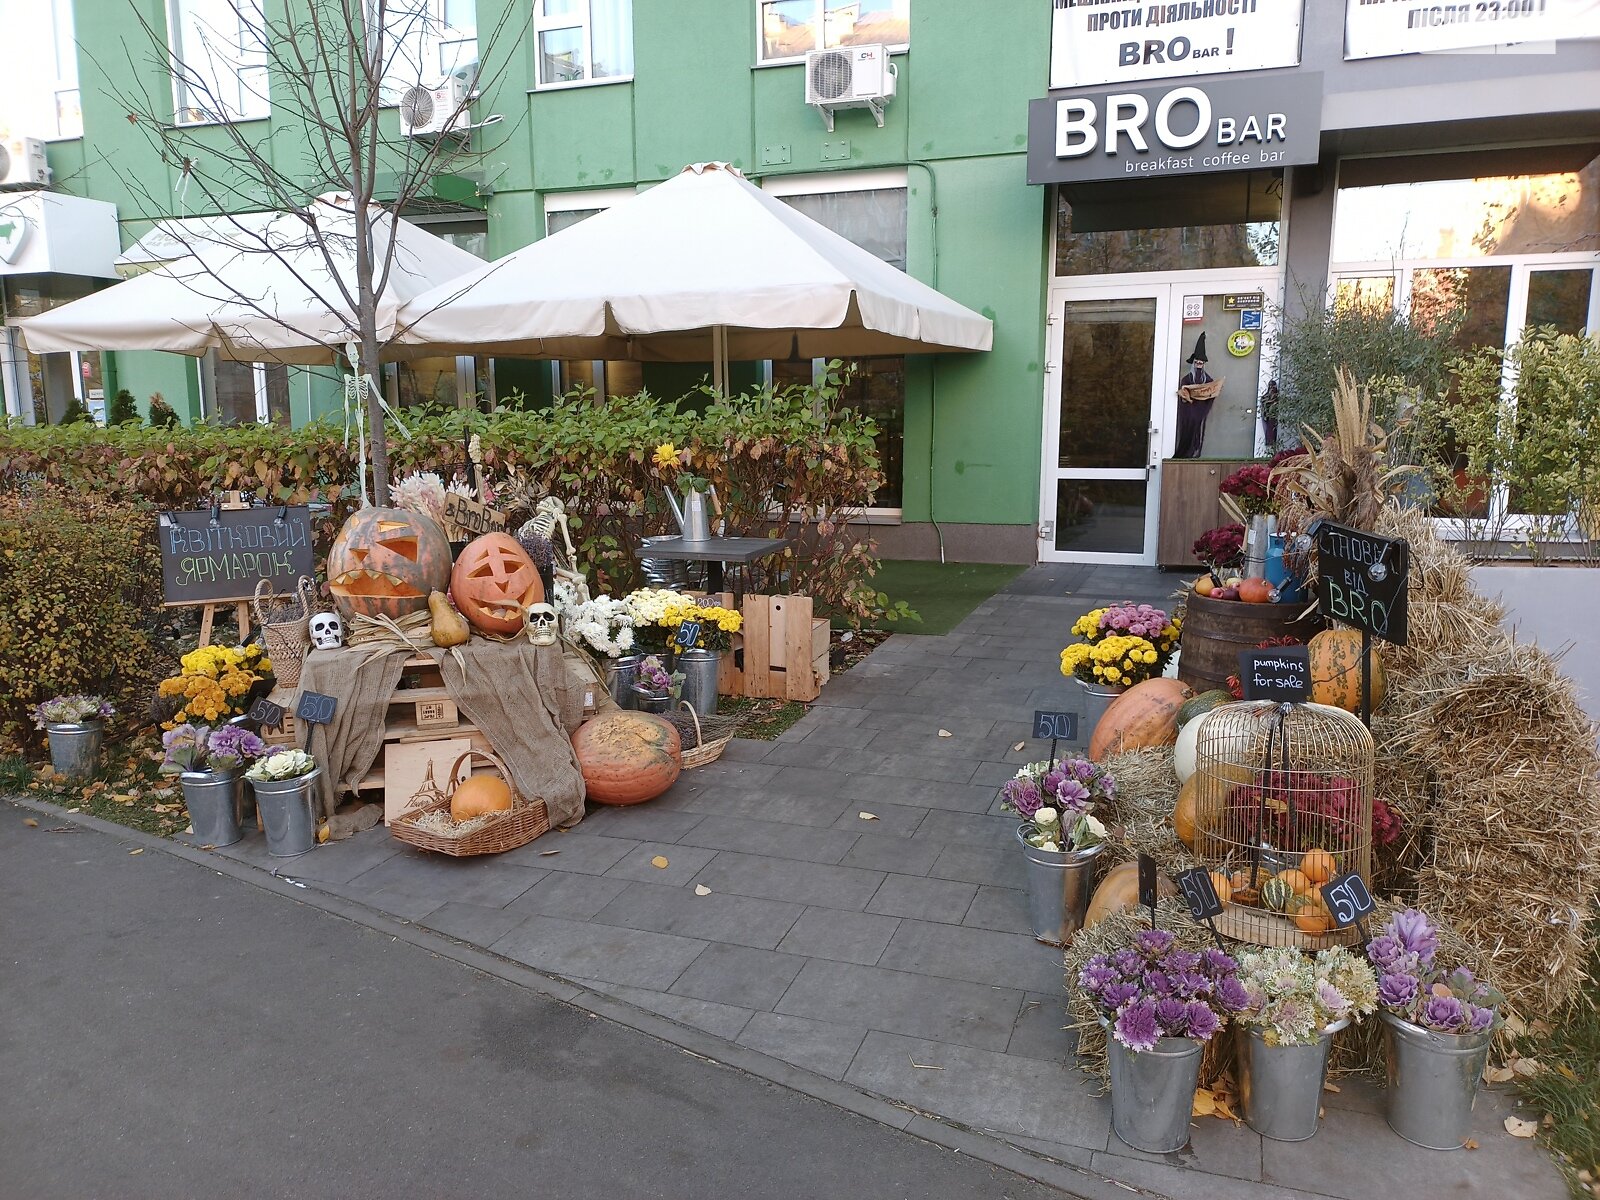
(1168, 288)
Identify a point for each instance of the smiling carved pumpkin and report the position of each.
(493, 583)
(385, 561)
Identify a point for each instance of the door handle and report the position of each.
(1153, 458)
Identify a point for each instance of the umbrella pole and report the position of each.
(719, 359)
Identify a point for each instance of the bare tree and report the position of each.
(326, 70)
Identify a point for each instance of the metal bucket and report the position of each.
(1281, 1086)
(288, 812)
(1059, 886)
(651, 702)
(1433, 1080)
(75, 748)
(674, 574)
(621, 675)
(215, 800)
(699, 689)
(1097, 698)
(1152, 1092)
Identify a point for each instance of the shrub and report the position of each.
(123, 408)
(162, 414)
(79, 578)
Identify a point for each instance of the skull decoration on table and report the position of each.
(327, 630)
(541, 625)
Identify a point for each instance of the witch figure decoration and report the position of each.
(1197, 392)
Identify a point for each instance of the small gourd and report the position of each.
(1277, 894)
(449, 628)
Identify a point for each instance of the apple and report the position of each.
(1225, 593)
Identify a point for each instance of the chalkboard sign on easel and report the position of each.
(1363, 580)
(215, 556)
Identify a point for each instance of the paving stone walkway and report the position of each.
(890, 953)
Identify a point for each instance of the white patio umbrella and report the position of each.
(705, 266)
(254, 288)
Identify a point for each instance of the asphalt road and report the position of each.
(166, 1031)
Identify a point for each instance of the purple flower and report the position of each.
(1128, 961)
(1022, 796)
(1415, 933)
(1158, 983)
(1203, 1022)
(1385, 952)
(1179, 960)
(1231, 994)
(1398, 990)
(1218, 963)
(1443, 1013)
(1096, 975)
(1072, 797)
(1478, 1018)
(231, 745)
(1115, 995)
(1191, 984)
(1173, 1014)
(1136, 1026)
(1154, 941)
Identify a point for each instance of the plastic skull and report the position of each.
(541, 625)
(327, 630)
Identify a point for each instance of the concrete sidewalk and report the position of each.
(889, 953)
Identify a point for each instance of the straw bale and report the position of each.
(1141, 814)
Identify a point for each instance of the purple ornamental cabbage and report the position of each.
(1022, 796)
(1398, 990)
(1444, 1013)
(1137, 1027)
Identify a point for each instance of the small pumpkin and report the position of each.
(1183, 811)
(1297, 880)
(1186, 750)
(384, 562)
(1120, 890)
(1336, 670)
(1310, 916)
(1277, 894)
(479, 794)
(1144, 715)
(1222, 885)
(494, 582)
(449, 628)
(1318, 865)
(1202, 704)
(627, 757)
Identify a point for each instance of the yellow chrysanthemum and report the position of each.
(666, 456)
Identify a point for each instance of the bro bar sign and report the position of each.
(1362, 580)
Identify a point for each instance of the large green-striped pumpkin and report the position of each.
(385, 561)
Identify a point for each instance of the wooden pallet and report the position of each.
(785, 650)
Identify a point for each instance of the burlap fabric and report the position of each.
(521, 696)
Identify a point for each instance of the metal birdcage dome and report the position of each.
(1283, 804)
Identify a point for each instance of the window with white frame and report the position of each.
(219, 60)
(871, 209)
(39, 69)
(426, 42)
(605, 378)
(241, 393)
(787, 29)
(582, 41)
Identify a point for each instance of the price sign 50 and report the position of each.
(1348, 900)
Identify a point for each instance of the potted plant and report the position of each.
(656, 687)
(1123, 644)
(1437, 1025)
(285, 788)
(1159, 1003)
(700, 662)
(1296, 1003)
(1060, 838)
(215, 683)
(602, 626)
(209, 764)
(75, 726)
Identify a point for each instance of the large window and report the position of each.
(219, 60)
(240, 393)
(869, 208)
(427, 42)
(39, 69)
(582, 41)
(788, 29)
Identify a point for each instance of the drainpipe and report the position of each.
(933, 380)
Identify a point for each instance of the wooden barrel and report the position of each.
(1215, 631)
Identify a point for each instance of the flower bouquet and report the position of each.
(1056, 802)
(717, 626)
(1437, 1025)
(191, 750)
(1123, 644)
(1250, 491)
(603, 625)
(1160, 1003)
(1221, 550)
(74, 726)
(76, 709)
(284, 765)
(656, 688)
(215, 683)
(656, 614)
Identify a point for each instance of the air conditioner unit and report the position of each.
(850, 77)
(430, 112)
(22, 163)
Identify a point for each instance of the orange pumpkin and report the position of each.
(1144, 715)
(1120, 890)
(385, 561)
(1318, 865)
(494, 582)
(1336, 670)
(1222, 885)
(1297, 880)
(627, 757)
(1183, 811)
(479, 794)
(1311, 917)
(1257, 591)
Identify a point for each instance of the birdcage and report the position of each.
(1283, 805)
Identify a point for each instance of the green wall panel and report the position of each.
(692, 84)
(582, 137)
(977, 68)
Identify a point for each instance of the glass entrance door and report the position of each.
(1107, 353)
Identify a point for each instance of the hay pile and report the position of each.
(1141, 814)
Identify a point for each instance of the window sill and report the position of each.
(800, 61)
(216, 124)
(579, 83)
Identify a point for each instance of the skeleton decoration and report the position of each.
(541, 625)
(550, 516)
(327, 630)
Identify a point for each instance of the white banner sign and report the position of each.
(1376, 28)
(1120, 41)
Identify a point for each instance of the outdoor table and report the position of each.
(715, 553)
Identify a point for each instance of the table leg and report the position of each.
(714, 577)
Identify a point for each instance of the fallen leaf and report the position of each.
(1527, 1067)
(701, 889)
(659, 861)
(140, 850)
(1568, 1072)
(1470, 1144)
(1517, 1127)
(1539, 1026)
(548, 853)
(30, 822)
(1516, 1025)
(1019, 745)
(1492, 1074)
(866, 816)
(1549, 1121)
(945, 733)
(1204, 1105)
(1329, 1087)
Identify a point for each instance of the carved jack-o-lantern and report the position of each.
(494, 582)
(385, 561)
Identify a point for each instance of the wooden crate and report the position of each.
(287, 734)
(785, 651)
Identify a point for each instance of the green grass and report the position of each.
(941, 593)
(128, 790)
(764, 720)
(1568, 1087)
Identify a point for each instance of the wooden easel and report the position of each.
(241, 608)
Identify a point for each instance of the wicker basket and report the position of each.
(524, 821)
(285, 628)
(707, 748)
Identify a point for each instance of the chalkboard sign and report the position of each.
(688, 635)
(1348, 900)
(219, 555)
(1362, 580)
(1062, 725)
(1280, 673)
(1200, 893)
(1147, 883)
(266, 714)
(315, 708)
